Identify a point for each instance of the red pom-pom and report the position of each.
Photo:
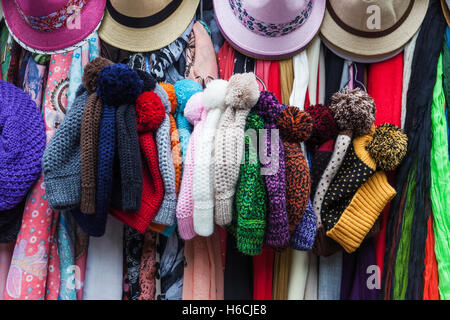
(149, 111)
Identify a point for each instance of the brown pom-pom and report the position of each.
(91, 72)
(295, 125)
(353, 110)
(388, 146)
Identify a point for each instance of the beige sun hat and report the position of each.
(143, 25)
(371, 30)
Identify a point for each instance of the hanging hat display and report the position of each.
(269, 29)
(52, 26)
(142, 25)
(369, 31)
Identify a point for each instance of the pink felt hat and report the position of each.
(52, 26)
(269, 29)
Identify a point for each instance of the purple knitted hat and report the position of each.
(277, 232)
(304, 236)
(22, 144)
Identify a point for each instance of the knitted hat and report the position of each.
(353, 109)
(23, 142)
(241, 95)
(357, 167)
(90, 127)
(277, 234)
(149, 82)
(251, 206)
(362, 212)
(319, 162)
(166, 213)
(61, 163)
(194, 113)
(324, 128)
(117, 85)
(304, 236)
(149, 114)
(184, 90)
(171, 95)
(295, 127)
(213, 99)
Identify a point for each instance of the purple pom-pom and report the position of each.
(118, 84)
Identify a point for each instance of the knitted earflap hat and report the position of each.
(23, 143)
(166, 213)
(90, 127)
(324, 127)
(184, 90)
(251, 195)
(61, 163)
(194, 113)
(241, 95)
(213, 100)
(295, 127)
(149, 115)
(277, 234)
(359, 216)
(304, 236)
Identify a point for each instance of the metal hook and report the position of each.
(262, 82)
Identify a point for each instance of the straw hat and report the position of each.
(143, 25)
(52, 26)
(445, 8)
(373, 30)
(269, 29)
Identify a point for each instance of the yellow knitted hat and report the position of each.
(362, 212)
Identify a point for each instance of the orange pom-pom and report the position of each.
(295, 125)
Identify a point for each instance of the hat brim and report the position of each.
(152, 38)
(59, 40)
(446, 11)
(367, 49)
(270, 48)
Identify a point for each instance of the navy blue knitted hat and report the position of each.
(305, 234)
(22, 144)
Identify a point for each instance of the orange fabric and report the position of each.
(430, 275)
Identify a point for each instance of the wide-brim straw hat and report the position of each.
(142, 25)
(267, 29)
(371, 31)
(52, 26)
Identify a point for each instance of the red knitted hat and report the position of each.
(148, 118)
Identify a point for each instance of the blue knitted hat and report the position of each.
(305, 234)
(22, 144)
(184, 90)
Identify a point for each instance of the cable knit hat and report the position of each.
(149, 114)
(241, 95)
(324, 128)
(213, 99)
(23, 143)
(277, 234)
(184, 90)
(295, 127)
(305, 234)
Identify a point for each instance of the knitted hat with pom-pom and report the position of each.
(117, 85)
(90, 127)
(324, 127)
(149, 115)
(277, 235)
(184, 90)
(166, 213)
(295, 127)
(304, 235)
(251, 204)
(387, 147)
(241, 95)
(196, 114)
(213, 99)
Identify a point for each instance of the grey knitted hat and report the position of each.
(61, 163)
(167, 210)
